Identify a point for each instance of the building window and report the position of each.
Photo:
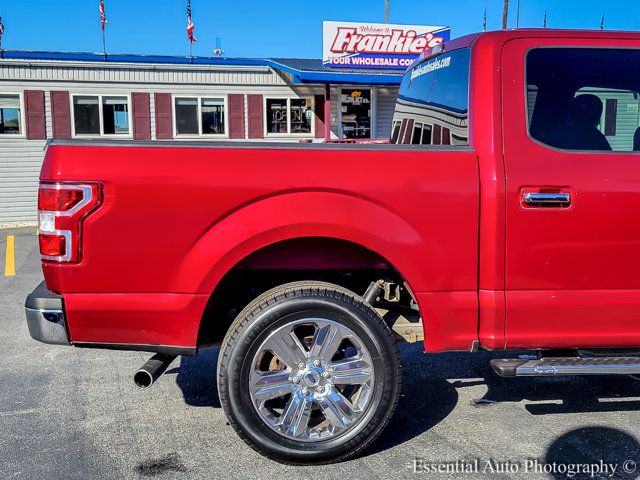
(199, 116)
(10, 114)
(355, 105)
(101, 115)
(212, 115)
(289, 115)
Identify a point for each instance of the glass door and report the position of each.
(355, 110)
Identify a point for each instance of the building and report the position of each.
(45, 95)
(63, 95)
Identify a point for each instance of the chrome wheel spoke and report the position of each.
(267, 386)
(325, 343)
(299, 391)
(350, 371)
(287, 347)
(337, 409)
(295, 417)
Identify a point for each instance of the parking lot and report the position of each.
(75, 413)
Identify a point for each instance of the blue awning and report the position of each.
(311, 70)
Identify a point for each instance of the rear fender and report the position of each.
(296, 215)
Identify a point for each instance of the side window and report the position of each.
(434, 97)
(100, 115)
(293, 116)
(584, 99)
(10, 117)
(195, 116)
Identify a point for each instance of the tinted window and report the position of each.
(584, 98)
(435, 95)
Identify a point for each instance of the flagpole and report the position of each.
(104, 43)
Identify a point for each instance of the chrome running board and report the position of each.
(556, 366)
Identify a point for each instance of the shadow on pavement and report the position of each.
(592, 445)
(430, 392)
(196, 377)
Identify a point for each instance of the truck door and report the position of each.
(570, 123)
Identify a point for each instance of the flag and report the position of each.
(190, 26)
(103, 16)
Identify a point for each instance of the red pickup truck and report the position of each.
(502, 215)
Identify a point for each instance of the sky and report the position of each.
(276, 28)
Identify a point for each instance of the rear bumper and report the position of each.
(46, 316)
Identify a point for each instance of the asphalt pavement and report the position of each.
(70, 413)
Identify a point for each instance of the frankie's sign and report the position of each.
(377, 45)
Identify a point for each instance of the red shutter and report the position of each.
(408, 133)
(235, 102)
(141, 111)
(446, 136)
(164, 120)
(61, 115)
(437, 135)
(34, 113)
(254, 104)
(318, 104)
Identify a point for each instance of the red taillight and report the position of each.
(58, 199)
(53, 245)
(61, 210)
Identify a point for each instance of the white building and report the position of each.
(46, 95)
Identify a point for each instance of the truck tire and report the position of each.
(309, 373)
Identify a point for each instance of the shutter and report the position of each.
(408, 133)
(61, 115)
(254, 104)
(437, 135)
(141, 111)
(318, 104)
(34, 113)
(164, 120)
(235, 102)
(446, 136)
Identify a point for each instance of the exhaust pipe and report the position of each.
(153, 369)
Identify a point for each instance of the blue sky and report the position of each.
(276, 28)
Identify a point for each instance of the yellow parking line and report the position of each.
(10, 259)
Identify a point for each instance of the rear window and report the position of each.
(584, 98)
(433, 102)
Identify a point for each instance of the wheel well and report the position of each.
(343, 263)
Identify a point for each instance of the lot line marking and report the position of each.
(10, 260)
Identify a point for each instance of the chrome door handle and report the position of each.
(534, 199)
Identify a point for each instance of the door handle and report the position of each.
(535, 199)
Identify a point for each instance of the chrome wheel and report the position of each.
(311, 379)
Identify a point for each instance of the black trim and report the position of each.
(256, 145)
(41, 298)
(166, 349)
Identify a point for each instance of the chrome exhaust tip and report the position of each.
(152, 370)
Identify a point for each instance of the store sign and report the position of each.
(377, 45)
